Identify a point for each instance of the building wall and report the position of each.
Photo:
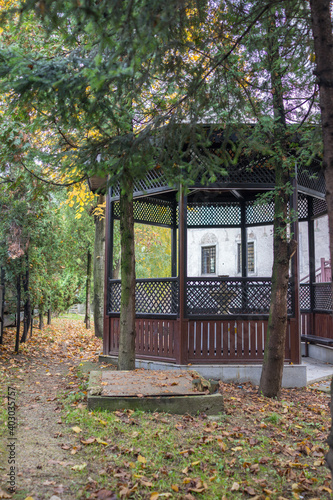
(227, 241)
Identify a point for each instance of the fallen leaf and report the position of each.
(142, 459)
(154, 495)
(76, 429)
(79, 467)
(3, 494)
(88, 441)
(104, 494)
(175, 488)
(100, 441)
(235, 487)
(250, 491)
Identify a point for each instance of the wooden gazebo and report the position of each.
(216, 319)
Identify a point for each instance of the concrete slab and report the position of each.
(326, 387)
(317, 370)
(148, 383)
(164, 391)
(293, 375)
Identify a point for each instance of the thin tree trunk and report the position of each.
(18, 312)
(49, 316)
(99, 260)
(32, 320)
(323, 44)
(88, 291)
(272, 369)
(41, 321)
(27, 304)
(126, 358)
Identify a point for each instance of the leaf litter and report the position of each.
(260, 449)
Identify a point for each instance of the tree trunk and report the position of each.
(32, 320)
(27, 305)
(126, 358)
(323, 44)
(18, 313)
(41, 321)
(2, 305)
(272, 369)
(99, 260)
(88, 289)
(49, 316)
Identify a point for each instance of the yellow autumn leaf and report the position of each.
(154, 495)
(79, 467)
(175, 488)
(100, 441)
(76, 429)
(142, 459)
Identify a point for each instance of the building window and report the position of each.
(250, 257)
(208, 260)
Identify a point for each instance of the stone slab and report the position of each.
(110, 391)
(293, 375)
(148, 383)
(321, 388)
(211, 404)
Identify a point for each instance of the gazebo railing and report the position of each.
(316, 318)
(152, 296)
(211, 297)
(205, 297)
(322, 297)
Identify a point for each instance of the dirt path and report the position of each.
(43, 466)
(41, 445)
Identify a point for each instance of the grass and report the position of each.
(258, 449)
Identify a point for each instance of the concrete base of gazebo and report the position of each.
(293, 375)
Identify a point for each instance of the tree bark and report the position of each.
(323, 45)
(41, 321)
(272, 369)
(99, 261)
(27, 304)
(32, 320)
(49, 316)
(18, 313)
(88, 291)
(126, 358)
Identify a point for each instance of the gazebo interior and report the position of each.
(213, 316)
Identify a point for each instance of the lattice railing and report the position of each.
(209, 297)
(152, 296)
(149, 210)
(323, 296)
(225, 296)
(305, 297)
(312, 178)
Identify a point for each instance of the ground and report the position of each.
(259, 449)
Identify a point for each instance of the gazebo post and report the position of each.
(181, 353)
(108, 268)
(295, 333)
(244, 253)
(312, 264)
